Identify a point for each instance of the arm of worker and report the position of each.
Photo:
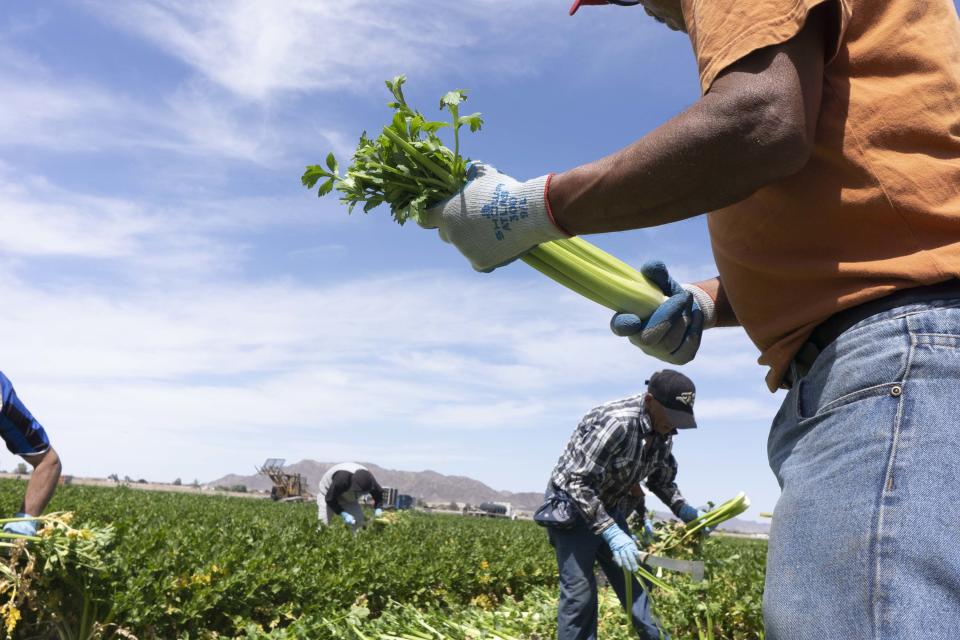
(376, 492)
(43, 482)
(755, 126)
(662, 482)
(340, 484)
(586, 470)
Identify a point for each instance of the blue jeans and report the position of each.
(578, 549)
(866, 534)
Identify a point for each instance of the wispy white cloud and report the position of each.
(47, 111)
(256, 48)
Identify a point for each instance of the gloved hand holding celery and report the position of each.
(409, 168)
(698, 523)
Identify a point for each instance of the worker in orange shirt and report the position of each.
(826, 146)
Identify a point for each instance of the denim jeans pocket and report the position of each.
(864, 365)
(809, 405)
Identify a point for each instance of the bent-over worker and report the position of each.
(341, 488)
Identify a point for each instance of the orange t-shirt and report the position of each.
(877, 208)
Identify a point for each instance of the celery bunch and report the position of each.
(680, 536)
(409, 168)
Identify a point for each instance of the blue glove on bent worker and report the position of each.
(688, 513)
(648, 535)
(673, 332)
(494, 219)
(349, 519)
(377, 512)
(22, 528)
(624, 549)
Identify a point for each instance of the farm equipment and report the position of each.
(393, 499)
(287, 487)
(389, 498)
(492, 510)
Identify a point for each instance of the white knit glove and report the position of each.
(494, 219)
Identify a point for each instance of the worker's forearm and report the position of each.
(725, 317)
(42, 483)
(334, 505)
(715, 154)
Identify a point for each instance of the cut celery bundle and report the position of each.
(409, 168)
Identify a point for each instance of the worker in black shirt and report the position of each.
(340, 490)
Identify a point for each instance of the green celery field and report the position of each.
(196, 566)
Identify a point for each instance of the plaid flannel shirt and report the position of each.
(608, 454)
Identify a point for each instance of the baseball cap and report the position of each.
(676, 393)
(579, 3)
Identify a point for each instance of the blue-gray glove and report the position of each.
(377, 512)
(624, 549)
(349, 519)
(688, 513)
(494, 219)
(673, 332)
(22, 528)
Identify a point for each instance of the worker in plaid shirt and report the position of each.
(616, 446)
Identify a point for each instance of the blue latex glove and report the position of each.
(24, 528)
(673, 332)
(648, 535)
(623, 547)
(377, 512)
(349, 519)
(494, 219)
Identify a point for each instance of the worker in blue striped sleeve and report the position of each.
(615, 447)
(25, 437)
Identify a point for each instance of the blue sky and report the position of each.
(177, 305)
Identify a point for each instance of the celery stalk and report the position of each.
(601, 258)
(626, 295)
(534, 260)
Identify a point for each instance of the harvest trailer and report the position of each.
(288, 487)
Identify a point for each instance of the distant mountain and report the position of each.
(429, 486)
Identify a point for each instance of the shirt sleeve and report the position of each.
(662, 482)
(597, 447)
(340, 484)
(376, 492)
(725, 31)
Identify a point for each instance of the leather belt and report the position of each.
(831, 328)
